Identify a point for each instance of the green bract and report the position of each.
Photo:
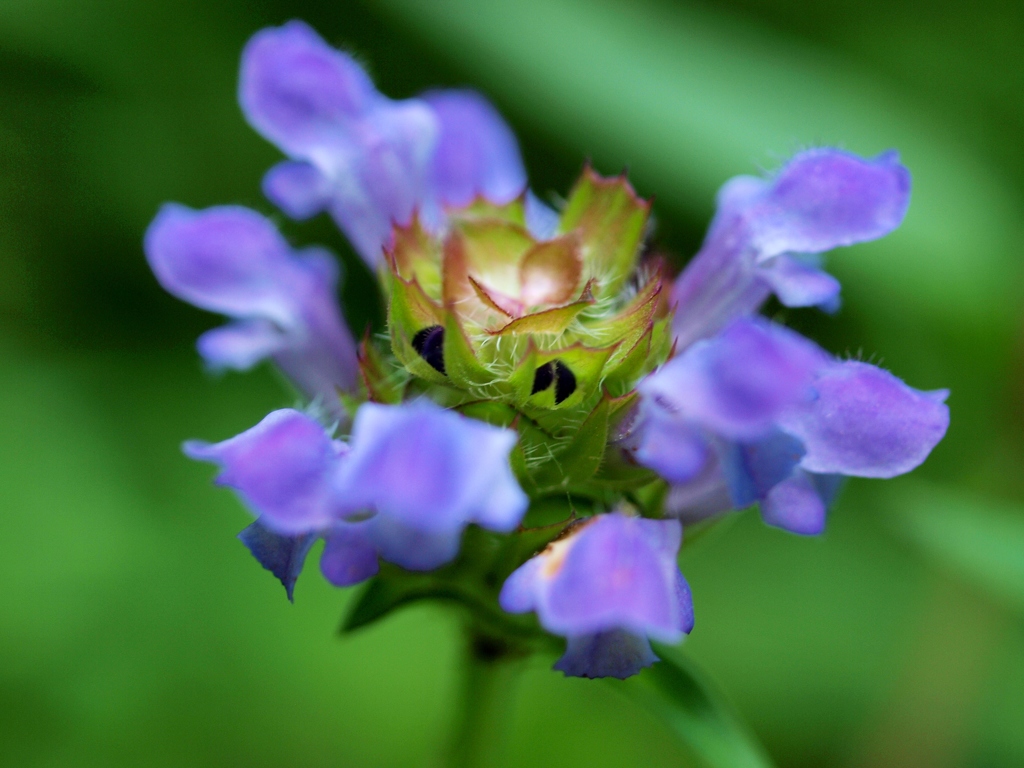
(546, 336)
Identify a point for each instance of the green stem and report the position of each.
(489, 670)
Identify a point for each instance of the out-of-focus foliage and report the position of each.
(134, 629)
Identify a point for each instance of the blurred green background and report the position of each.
(134, 628)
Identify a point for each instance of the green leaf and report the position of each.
(696, 712)
(981, 539)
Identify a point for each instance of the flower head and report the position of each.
(533, 360)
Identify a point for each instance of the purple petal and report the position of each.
(670, 444)
(700, 498)
(541, 220)
(821, 199)
(349, 555)
(521, 589)
(752, 469)
(282, 468)
(476, 153)
(371, 155)
(282, 555)
(825, 198)
(798, 284)
(413, 548)
(616, 653)
(796, 505)
(232, 260)
(297, 188)
(684, 601)
(382, 178)
(239, 346)
(321, 358)
(227, 259)
(739, 382)
(867, 423)
(299, 92)
(612, 572)
(432, 469)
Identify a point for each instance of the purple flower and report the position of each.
(427, 473)
(233, 261)
(368, 160)
(283, 469)
(767, 234)
(760, 414)
(404, 487)
(607, 587)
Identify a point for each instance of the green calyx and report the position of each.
(548, 337)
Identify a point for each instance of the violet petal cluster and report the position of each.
(767, 234)
(607, 587)
(404, 487)
(744, 411)
(368, 160)
(749, 411)
(282, 302)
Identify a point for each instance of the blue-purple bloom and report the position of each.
(404, 487)
(607, 587)
(760, 414)
(751, 412)
(767, 234)
(368, 160)
(233, 261)
(738, 411)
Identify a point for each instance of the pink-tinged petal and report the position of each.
(282, 469)
(550, 272)
(866, 422)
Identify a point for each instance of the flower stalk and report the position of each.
(489, 673)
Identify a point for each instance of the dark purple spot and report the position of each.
(565, 382)
(429, 344)
(543, 377)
